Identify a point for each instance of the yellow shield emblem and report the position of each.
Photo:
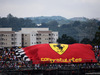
(59, 48)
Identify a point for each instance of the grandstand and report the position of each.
(10, 64)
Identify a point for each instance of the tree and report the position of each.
(96, 40)
(86, 41)
(9, 16)
(44, 25)
(53, 23)
(66, 39)
(76, 23)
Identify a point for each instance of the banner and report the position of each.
(57, 53)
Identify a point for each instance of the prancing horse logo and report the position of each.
(59, 48)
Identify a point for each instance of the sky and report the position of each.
(64, 8)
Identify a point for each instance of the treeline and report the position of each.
(81, 31)
(65, 39)
(15, 23)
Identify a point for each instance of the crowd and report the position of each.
(97, 52)
(8, 59)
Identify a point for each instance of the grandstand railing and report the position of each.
(27, 65)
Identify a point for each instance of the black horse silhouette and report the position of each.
(59, 46)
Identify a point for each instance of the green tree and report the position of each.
(52, 23)
(76, 23)
(96, 40)
(66, 39)
(9, 16)
(86, 41)
(44, 25)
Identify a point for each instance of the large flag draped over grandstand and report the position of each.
(57, 53)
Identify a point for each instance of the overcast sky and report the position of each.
(65, 8)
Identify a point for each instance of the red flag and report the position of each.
(59, 53)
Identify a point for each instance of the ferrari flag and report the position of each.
(57, 53)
